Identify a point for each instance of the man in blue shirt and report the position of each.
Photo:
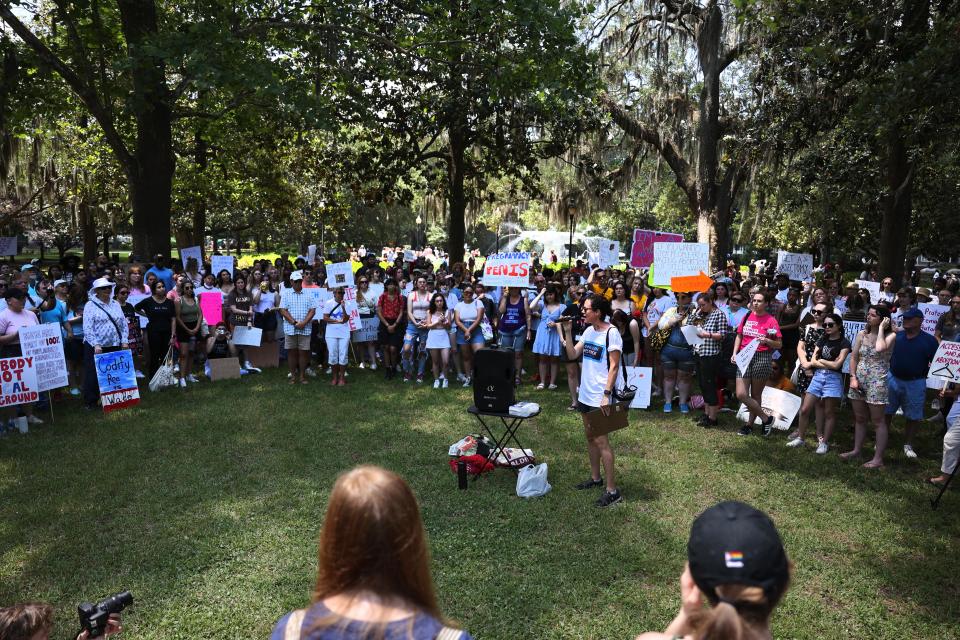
(163, 274)
(907, 380)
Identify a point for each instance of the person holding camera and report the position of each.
(219, 345)
(34, 621)
(601, 347)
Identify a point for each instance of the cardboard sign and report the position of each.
(266, 356)
(191, 252)
(678, 259)
(367, 331)
(247, 336)
(223, 369)
(117, 379)
(931, 315)
(507, 270)
(18, 381)
(340, 274)
(797, 266)
(782, 405)
(609, 253)
(8, 245)
(641, 252)
(743, 358)
(134, 299)
(641, 378)
(873, 288)
(850, 331)
(311, 254)
(211, 305)
(221, 263)
(946, 362)
(44, 343)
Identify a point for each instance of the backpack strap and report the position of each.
(623, 367)
(447, 633)
(294, 623)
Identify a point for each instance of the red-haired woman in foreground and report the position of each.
(373, 578)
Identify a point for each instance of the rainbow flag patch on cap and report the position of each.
(734, 559)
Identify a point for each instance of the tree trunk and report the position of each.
(106, 244)
(456, 170)
(200, 207)
(897, 208)
(88, 229)
(151, 178)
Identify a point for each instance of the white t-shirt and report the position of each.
(335, 330)
(593, 376)
(468, 311)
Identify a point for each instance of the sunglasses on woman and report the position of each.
(829, 325)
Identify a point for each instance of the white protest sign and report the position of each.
(367, 331)
(641, 378)
(375, 291)
(931, 315)
(507, 270)
(340, 274)
(850, 330)
(311, 254)
(191, 252)
(745, 355)
(18, 381)
(873, 288)
(8, 246)
(247, 336)
(946, 362)
(409, 256)
(593, 258)
(782, 405)
(350, 306)
(44, 343)
(221, 263)
(134, 299)
(679, 259)
(609, 253)
(690, 333)
(797, 266)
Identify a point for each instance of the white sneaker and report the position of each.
(74, 391)
(436, 383)
(909, 452)
(373, 366)
(311, 372)
(796, 442)
(140, 374)
(822, 448)
(461, 377)
(466, 382)
(244, 372)
(361, 365)
(290, 375)
(446, 383)
(329, 370)
(183, 383)
(34, 420)
(250, 367)
(192, 378)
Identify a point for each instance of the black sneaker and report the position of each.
(707, 423)
(745, 430)
(609, 498)
(699, 420)
(767, 427)
(589, 484)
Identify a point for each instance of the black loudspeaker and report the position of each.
(493, 374)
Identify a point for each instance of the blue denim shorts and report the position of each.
(826, 384)
(475, 338)
(908, 395)
(513, 340)
(677, 358)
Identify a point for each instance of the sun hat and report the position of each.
(100, 283)
(733, 543)
(57, 283)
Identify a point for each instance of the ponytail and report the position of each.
(741, 613)
(722, 622)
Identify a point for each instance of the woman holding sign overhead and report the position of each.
(104, 330)
(760, 327)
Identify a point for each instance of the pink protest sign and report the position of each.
(641, 254)
(211, 304)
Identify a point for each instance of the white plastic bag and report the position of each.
(532, 481)
(164, 377)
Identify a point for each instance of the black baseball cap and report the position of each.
(733, 543)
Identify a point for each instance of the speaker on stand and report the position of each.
(493, 377)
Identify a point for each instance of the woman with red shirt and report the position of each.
(391, 309)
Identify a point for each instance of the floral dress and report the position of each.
(872, 368)
(811, 336)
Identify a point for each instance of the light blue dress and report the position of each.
(547, 342)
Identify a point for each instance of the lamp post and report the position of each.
(323, 248)
(419, 221)
(571, 216)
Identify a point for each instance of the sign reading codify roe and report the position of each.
(507, 270)
(117, 379)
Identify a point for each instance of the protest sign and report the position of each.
(18, 381)
(117, 379)
(641, 378)
(211, 305)
(641, 252)
(223, 369)
(593, 258)
(44, 343)
(946, 362)
(873, 288)
(311, 254)
(367, 331)
(191, 252)
(376, 290)
(931, 315)
(782, 405)
(690, 333)
(678, 259)
(745, 355)
(8, 246)
(409, 256)
(134, 299)
(797, 266)
(350, 306)
(850, 330)
(609, 253)
(507, 270)
(314, 294)
(340, 274)
(221, 263)
(247, 336)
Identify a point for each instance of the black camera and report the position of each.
(93, 617)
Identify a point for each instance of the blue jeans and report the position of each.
(414, 336)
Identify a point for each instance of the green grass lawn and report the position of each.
(207, 503)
